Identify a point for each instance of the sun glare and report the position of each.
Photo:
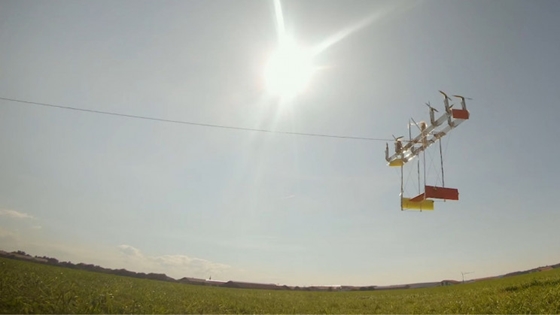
(289, 70)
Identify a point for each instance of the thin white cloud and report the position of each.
(173, 265)
(129, 250)
(15, 214)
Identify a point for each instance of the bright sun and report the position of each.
(288, 70)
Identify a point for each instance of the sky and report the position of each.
(195, 201)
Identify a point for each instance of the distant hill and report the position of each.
(53, 261)
(21, 255)
(539, 269)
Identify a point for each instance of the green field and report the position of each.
(27, 287)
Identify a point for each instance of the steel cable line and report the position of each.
(193, 123)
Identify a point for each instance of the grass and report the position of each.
(27, 287)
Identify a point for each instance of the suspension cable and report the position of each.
(424, 153)
(402, 187)
(441, 159)
(418, 168)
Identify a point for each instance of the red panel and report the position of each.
(460, 113)
(441, 193)
(418, 198)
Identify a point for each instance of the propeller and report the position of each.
(447, 97)
(397, 138)
(463, 98)
(431, 108)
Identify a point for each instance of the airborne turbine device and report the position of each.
(417, 146)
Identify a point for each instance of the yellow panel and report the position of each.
(417, 205)
(397, 162)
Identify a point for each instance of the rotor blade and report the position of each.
(447, 97)
(462, 97)
(430, 106)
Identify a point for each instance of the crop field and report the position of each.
(27, 287)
